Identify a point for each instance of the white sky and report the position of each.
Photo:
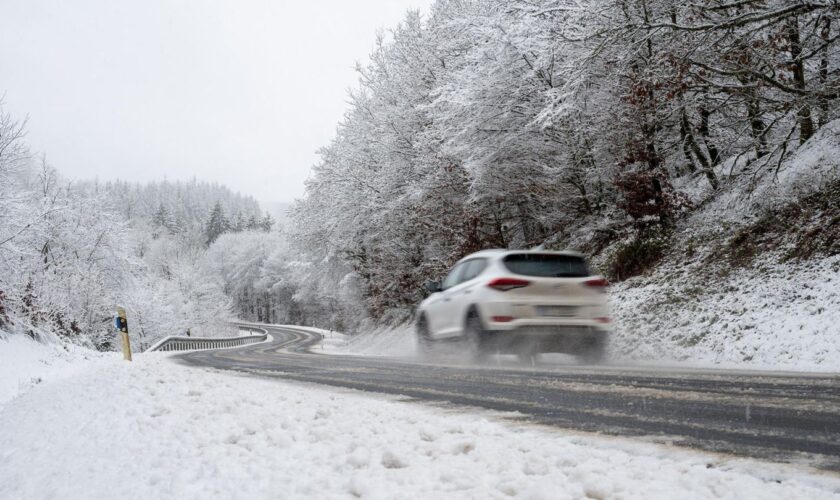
(241, 91)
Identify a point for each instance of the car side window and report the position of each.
(474, 268)
(454, 276)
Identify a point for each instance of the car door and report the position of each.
(436, 310)
(459, 297)
(462, 297)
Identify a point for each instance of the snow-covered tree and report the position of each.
(515, 123)
(217, 223)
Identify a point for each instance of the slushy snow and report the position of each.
(154, 428)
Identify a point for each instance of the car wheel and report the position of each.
(474, 337)
(593, 354)
(424, 340)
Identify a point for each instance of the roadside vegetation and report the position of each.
(602, 127)
(71, 251)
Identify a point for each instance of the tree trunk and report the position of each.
(757, 126)
(708, 171)
(684, 140)
(825, 34)
(806, 124)
(714, 154)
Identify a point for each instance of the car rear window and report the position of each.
(546, 265)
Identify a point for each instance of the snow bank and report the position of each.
(783, 317)
(699, 308)
(156, 429)
(395, 341)
(25, 363)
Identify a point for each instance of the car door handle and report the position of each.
(467, 291)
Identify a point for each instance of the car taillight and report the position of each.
(599, 284)
(505, 284)
(502, 319)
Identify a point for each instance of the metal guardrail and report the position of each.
(176, 343)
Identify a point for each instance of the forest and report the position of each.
(70, 252)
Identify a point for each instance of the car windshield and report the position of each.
(546, 265)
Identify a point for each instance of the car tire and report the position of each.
(474, 337)
(593, 354)
(424, 340)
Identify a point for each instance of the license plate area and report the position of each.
(556, 311)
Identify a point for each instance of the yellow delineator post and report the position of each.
(123, 327)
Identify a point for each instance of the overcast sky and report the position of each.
(241, 91)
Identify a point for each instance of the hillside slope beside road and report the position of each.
(783, 317)
(783, 417)
(158, 429)
(751, 278)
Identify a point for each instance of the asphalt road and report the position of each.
(780, 417)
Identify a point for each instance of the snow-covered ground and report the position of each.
(783, 317)
(157, 429)
(702, 307)
(25, 364)
(396, 341)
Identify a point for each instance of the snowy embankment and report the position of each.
(752, 278)
(398, 341)
(157, 429)
(25, 364)
(786, 317)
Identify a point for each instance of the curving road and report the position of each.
(781, 417)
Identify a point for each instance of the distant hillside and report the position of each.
(188, 203)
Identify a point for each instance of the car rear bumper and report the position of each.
(568, 339)
(520, 316)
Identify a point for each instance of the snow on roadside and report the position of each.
(394, 341)
(25, 363)
(784, 318)
(157, 429)
(331, 341)
(777, 313)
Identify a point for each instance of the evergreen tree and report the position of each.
(252, 223)
(161, 216)
(267, 223)
(217, 224)
(238, 223)
(175, 224)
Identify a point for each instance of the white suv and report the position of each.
(520, 302)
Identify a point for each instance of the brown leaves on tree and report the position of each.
(649, 198)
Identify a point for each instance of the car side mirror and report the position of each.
(433, 286)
